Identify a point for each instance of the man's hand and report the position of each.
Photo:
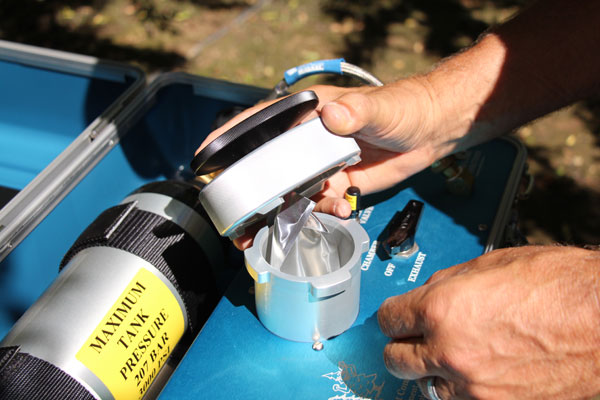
(394, 126)
(518, 323)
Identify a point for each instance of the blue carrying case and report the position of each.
(78, 134)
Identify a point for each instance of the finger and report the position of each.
(399, 317)
(442, 274)
(449, 272)
(243, 242)
(328, 93)
(347, 114)
(247, 239)
(381, 169)
(334, 206)
(378, 170)
(376, 115)
(481, 263)
(407, 359)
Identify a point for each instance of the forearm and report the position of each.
(545, 58)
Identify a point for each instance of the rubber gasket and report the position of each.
(253, 132)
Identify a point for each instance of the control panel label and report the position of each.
(389, 270)
(366, 214)
(370, 256)
(414, 272)
(135, 337)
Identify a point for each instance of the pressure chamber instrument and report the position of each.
(259, 169)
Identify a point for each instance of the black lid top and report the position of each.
(253, 132)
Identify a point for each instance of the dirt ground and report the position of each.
(254, 41)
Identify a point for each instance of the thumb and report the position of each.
(348, 114)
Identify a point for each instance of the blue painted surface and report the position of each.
(41, 112)
(159, 145)
(236, 357)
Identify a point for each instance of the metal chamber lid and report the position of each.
(297, 161)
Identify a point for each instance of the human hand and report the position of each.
(517, 323)
(393, 126)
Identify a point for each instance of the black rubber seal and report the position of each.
(253, 132)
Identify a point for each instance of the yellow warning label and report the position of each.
(351, 199)
(135, 337)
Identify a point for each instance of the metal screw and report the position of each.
(317, 346)
(482, 227)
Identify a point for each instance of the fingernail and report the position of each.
(336, 116)
(342, 209)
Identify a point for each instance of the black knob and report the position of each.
(401, 231)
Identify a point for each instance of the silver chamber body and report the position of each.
(310, 308)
